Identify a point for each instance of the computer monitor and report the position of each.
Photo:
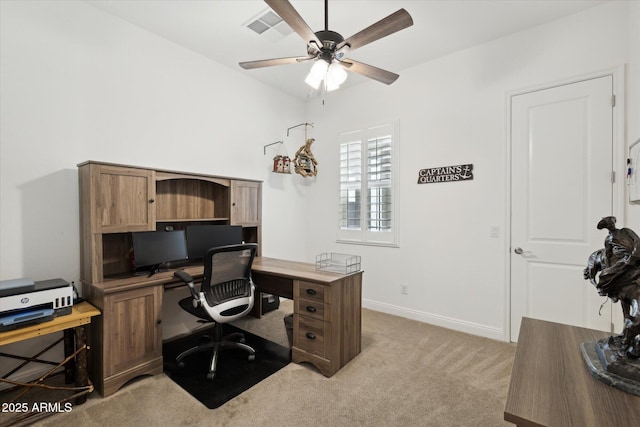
(153, 250)
(201, 238)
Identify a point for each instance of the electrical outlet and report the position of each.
(404, 289)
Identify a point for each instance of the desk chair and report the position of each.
(226, 294)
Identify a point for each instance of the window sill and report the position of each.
(359, 242)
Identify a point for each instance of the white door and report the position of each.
(561, 172)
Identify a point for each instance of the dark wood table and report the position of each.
(552, 386)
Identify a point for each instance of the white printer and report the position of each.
(24, 302)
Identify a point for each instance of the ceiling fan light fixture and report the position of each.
(336, 73)
(331, 85)
(317, 74)
(319, 70)
(333, 75)
(314, 83)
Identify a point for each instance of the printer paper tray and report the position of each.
(25, 318)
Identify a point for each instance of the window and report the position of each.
(368, 197)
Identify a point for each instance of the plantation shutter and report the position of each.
(350, 184)
(368, 199)
(379, 176)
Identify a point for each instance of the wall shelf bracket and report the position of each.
(268, 145)
(301, 124)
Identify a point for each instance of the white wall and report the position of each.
(633, 99)
(79, 84)
(454, 111)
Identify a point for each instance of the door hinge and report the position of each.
(613, 177)
(613, 100)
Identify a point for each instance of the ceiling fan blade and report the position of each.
(248, 65)
(286, 11)
(395, 22)
(383, 76)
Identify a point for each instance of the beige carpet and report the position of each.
(408, 374)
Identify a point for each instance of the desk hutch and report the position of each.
(115, 200)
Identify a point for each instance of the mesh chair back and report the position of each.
(227, 273)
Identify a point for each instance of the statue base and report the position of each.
(605, 364)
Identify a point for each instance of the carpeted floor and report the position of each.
(408, 373)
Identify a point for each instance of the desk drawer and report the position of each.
(313, 309)
(313, 336)
(312, 291)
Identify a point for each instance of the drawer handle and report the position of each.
(310, 336)
(311, 291)
(311, 309)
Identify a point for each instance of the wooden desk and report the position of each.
(127, 338)
(72, 326)
(327, 313)
(552, 386)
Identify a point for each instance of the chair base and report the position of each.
(235, 340)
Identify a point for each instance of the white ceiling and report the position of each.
(217, 29)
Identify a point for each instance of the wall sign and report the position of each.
(445, 174)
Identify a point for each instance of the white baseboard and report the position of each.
(437, 320)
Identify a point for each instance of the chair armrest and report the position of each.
(186, 278)
(183, 275)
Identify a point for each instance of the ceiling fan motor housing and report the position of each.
(330, 39)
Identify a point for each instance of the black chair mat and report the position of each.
(234, 373)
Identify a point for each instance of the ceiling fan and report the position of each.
(329, 49)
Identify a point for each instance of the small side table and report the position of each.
(552, 386)
(75, 353)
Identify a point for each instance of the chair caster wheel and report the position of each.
(211, 375)
(252, 357)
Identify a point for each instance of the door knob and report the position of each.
(519, 251)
